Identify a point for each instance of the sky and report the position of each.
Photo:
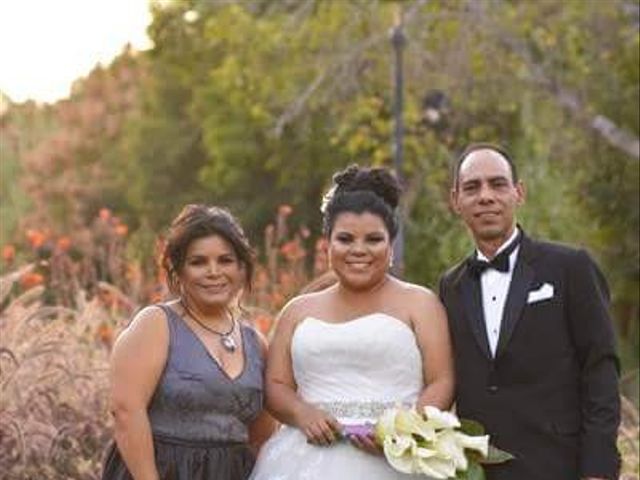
(47, 44)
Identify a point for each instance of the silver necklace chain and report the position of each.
(226, 340)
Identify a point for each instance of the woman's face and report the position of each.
(212, 274)
(359, 249)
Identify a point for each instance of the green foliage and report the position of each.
(495, 456)
(471, 427)
(474, 472)
(22, 127)
(254, 104)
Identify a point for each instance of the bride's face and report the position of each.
(359, 249)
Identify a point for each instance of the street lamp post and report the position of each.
(398, 41)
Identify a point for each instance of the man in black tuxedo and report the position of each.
(533, 340)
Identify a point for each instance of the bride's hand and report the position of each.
(367, 443)
(320, 427)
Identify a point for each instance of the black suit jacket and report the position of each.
(550, 395)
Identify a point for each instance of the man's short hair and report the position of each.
(473, 147)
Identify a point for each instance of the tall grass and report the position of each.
(53, 389)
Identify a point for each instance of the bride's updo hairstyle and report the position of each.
(362, 189)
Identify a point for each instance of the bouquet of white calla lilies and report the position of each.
(436, 418)
(435, 443)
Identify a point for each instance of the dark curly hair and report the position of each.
(363, 189)
(199, 221)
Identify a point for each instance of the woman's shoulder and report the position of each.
(149, 322)
(413, 291)
(417, 300)
(140, 352)
(302, 306)
(421, 304)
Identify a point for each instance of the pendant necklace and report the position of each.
(226, 339)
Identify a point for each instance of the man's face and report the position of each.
(486, 197)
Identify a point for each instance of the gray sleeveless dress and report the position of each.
(199, 415)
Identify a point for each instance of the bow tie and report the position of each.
(500, 262)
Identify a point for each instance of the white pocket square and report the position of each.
(543, 293)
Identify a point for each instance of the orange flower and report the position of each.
(288, 249)
(292, 250)
(122, 230)
(263, 323)
(63, 244)
(8, 253)
(30, 280)
(285, 210)
(105, 334)
(36, 238)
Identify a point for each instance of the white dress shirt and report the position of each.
(494, 286)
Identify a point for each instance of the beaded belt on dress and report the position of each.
(353, 409)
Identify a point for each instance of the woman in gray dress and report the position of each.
(187, 375)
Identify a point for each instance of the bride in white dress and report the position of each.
(341, 356)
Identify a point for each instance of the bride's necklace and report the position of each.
(226, 338)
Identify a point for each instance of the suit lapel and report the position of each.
(469, 288)
(521, 283)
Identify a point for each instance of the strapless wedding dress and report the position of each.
(355, 370)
